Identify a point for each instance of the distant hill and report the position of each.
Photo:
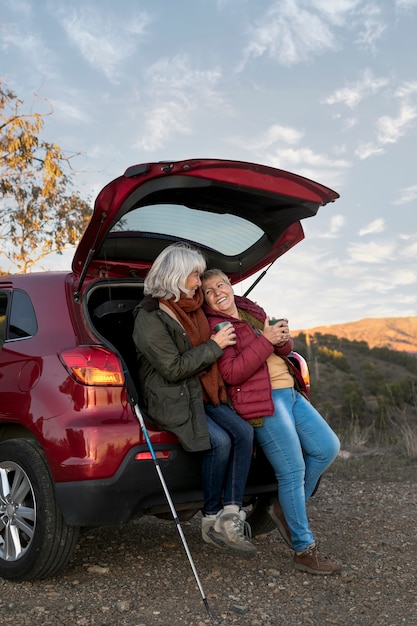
(395, 333)
(364, 381)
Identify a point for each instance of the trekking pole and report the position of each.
(133, 399)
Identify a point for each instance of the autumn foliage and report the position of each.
(40, 212)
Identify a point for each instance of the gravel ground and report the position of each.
(139, 575)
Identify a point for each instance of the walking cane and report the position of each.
(133, 400)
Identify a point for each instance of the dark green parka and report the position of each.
(168, 367)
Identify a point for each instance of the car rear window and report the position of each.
(227, 233)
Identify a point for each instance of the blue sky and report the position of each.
(323, 88)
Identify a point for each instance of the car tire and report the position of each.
(258, 517)
(35, 541)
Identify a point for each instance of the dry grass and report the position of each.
(395, 435)
(409, 439)
(375, 465)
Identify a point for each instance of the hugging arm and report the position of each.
(154, 339)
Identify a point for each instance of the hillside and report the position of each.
(396, 333)
(368, 395)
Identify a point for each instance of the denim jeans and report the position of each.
(300, 446)
(226, 465)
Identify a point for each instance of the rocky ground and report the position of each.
(365, 515)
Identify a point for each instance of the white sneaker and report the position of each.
(232, 532)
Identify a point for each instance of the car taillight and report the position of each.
(93, 365)
(305, 372)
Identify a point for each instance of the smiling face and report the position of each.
(219, 295)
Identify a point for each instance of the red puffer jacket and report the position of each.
(243, 366)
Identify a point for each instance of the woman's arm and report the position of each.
(169, 348)
(285, 348)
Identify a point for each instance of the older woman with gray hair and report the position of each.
(183, 391)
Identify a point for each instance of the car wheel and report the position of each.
(35, 541)
(257, 515)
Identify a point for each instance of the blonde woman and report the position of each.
(295, 438)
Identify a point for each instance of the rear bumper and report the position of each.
(136, 489)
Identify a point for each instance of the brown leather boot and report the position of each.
(313, 562)
(277, 515)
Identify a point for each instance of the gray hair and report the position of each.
(170, 270)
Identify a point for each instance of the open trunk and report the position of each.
(110, 306)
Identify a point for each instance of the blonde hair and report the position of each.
(170, 270)
(214, 272)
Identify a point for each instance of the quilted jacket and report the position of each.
(243, 365)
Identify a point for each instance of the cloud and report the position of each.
(337, 223)
(391, 129)
(354, 93)
(402, 277)
(290, 34)
(407, 89)
(223, 3)
(387, 280)
(349, 123)
(293, 31)
(29, 45)
(377, 226)
(176, 91)
(388, 129)
(410, 251)
(22, 8)
(371, 252)
(366, 150)
(405, 4)
(371, 27)
(407, 194)
(70, 112)
(275, 133)
(163, 121)
(275, 147)
(308, 163)
(306, 156)
(104, 42)
(335, 11)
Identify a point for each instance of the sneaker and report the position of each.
(280, 522)
(313, 562)
(207, 521)
(232, 532)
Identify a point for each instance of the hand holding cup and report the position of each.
(225, 334)
(276, 330)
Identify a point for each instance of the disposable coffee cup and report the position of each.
(272, 322)
(219, 326)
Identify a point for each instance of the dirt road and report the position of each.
(138, 575)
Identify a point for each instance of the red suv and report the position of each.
(71, 450)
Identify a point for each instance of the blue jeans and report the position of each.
(300, 446)
(226, 465)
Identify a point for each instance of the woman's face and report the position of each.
(193, 282)
(219, 295)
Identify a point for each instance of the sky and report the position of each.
(323, 88)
